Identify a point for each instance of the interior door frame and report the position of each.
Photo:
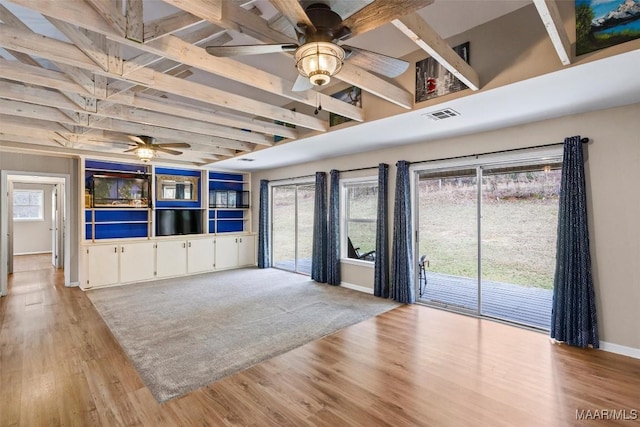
(6, 180)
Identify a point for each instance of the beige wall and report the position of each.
(33, 236)
(613, 174)
(38, 163)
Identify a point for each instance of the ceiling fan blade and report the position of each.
(376, 62)
(256, 49)
(301, 84)
(131, 150)
(292, 10)
(379, 13)
(173, 145)
(166, 150)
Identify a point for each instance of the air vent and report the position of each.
(246, 160)
(442, 114)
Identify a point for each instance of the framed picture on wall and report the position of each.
(351, 95)
(601, 24)
(433, 80)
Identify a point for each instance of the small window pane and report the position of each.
(28, 205)
(361, 205)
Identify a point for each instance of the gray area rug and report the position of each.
(184, 333)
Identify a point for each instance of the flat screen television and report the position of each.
(172, 222)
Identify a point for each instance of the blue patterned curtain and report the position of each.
(333, 255)
(381, 273)
(573, 317)
(402, 286)
(264, 257)
(319, 254)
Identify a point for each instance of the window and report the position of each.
(359, 213)
(28, 205)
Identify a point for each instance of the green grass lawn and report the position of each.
(519, 221)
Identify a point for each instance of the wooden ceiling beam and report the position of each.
(111, 14)
(13, 92)
(414, 27)
(82, 42)
(69, 54)
(169, 24)
(181, 51)
(134, 23)
(375, 85)
(550, 15)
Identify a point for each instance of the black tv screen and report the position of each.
(171, 222)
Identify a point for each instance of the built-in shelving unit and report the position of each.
(117, 201)
(228, 203)
(144, 222)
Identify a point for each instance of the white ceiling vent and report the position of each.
(445, 113)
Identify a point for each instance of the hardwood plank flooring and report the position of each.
(412, 366)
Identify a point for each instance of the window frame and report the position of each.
(40, 206)
(346, 183)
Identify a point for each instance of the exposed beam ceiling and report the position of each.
(89, 75)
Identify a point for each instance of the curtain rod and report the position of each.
(583, 140)
(359, 169)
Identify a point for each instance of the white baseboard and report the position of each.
(73, 285)
(32, 253)
(357, 288)
(620, 349)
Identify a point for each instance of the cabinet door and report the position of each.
(171, 258)
(102, 265)
(246, 250)
(200, 255)
(137, 261)
(226, 252)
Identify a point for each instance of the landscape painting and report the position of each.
(351, 95)
(433, 80)
(605, 23)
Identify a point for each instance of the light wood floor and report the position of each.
(413, 366)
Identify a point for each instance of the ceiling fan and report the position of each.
(318, 56)
(146, 150)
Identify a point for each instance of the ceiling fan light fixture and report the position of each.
(145, 153)
(319, 61)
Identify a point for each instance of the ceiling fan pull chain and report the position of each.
(319, 107)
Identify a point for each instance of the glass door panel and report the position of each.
(283, 233)
(292, 226)
(304, 228)
(448, 239)
(519, 222)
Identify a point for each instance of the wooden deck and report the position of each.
(516, 303)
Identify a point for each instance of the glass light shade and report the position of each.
(319, 61)
(145, 154)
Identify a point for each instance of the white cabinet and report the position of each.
(137, 261)
(235, 251)
(246, 251)
(200, 255)
(171, 258)
(178, 257)
(102, 265)
(120, 263)
(226, 252)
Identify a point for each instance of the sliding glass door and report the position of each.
(448, 209)
(488, 237)
(292, 226)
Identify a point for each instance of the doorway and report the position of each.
(35, 224)
(292, 208)
(487, 232)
